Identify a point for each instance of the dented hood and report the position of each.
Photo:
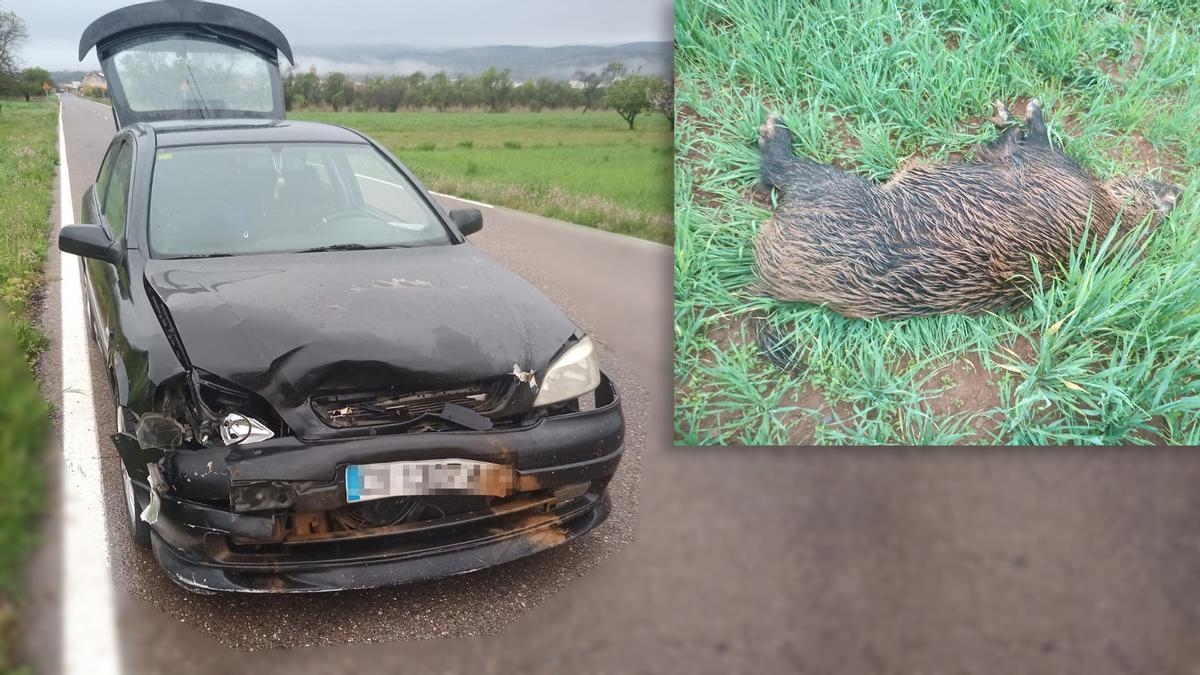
(286, 326)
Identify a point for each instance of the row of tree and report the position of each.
(612, 87)
(493, 90)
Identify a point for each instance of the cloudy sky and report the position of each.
(55, 25)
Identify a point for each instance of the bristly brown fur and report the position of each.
(949, 239)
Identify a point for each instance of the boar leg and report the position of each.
(795, 176)
(1007, 142)
(1037, 127)
(775, 147)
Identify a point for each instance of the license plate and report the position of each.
(427, 477)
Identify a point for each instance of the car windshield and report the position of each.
(258, 198)
(194, 78)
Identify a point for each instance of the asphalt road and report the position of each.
(744, 560)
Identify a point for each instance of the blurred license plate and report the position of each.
(427, 477)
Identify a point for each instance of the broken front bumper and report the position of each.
(213, 534)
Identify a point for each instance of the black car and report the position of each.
(319, 383)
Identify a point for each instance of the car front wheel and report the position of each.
(138, 528)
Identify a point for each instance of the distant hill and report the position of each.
(651, 58)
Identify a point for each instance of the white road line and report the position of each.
(89, 640)
(469, 201)
(92, 101)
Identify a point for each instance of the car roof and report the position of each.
(210, 132)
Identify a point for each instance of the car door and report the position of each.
(108, 206)
(176, 60)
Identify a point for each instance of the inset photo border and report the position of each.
(973, 223)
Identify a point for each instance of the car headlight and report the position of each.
(238, 429)
(573, 374)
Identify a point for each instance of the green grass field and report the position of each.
(27, 164)
(585, 168)
(1110, 354)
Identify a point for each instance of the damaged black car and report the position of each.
(319, 383)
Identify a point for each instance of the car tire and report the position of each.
(139, 529)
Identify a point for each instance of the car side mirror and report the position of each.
(89, 241)
(469, 221)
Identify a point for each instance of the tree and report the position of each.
(544, 93)
(394, 91)
(373, 93)
(440, 91)
(301, 90)
(418, 94)
(662, 99)
(12, 34)
(630, 96)
(594, 83)
(496, 88)
(466, 92)
(33, 80)
(338, 91)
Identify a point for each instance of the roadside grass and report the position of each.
(24, 422)
(27, 164)
(586, 168)
(1108, 354)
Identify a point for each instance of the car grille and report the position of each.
(390, 407)
(431, 532)
(397, 510)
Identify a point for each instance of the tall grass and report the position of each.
(1107, 354)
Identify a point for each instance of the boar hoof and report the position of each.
(1003, 116)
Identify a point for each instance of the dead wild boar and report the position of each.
(949, 239)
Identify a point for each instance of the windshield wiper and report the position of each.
(196, 90)
(200, 255)
(350, 247)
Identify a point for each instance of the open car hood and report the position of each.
(186, 59)
(288, 326)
